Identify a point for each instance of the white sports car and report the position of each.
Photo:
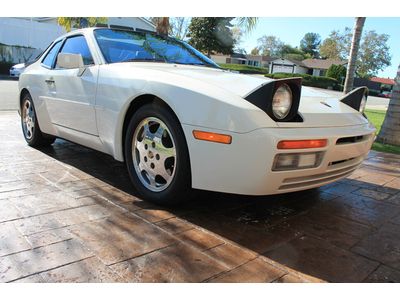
(180, 122)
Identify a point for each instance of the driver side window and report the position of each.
(78, 45)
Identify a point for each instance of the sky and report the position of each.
(291, 30)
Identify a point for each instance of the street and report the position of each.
(8, 94)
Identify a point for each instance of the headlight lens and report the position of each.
(363, 103)
(282, 101)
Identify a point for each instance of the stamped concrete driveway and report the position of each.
(69, 214)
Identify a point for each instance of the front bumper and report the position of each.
(15, 73)
(245, 166)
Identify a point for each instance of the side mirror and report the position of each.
(71, 61)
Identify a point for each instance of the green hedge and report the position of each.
(5, 67)
(309, 80)
(245, 69)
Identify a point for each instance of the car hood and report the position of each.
(232, 82)
(19, 66)
(318, 108)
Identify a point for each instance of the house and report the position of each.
(235, 58)
(282, 65)
(261, 61)
(318, 67)
(384, 81)
(133, 22)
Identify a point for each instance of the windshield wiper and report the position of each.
(144, 59)
(195, 64)
(192, 64)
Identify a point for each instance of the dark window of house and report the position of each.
(78, 45)
(50, 56)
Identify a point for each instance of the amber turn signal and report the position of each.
(303, 144)
(212, 137)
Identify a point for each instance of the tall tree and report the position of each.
(355, 44)
(79, 22)
(179, 27)
(374, 54)
(310, 44)
(248, 23)
(270, 45)
(211, 35)
(330, 49)
(290, 52)
(237, 34)
(162, 24)
(255, 51)
(390, 131)
(337, 45)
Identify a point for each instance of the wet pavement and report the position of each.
(69, 214)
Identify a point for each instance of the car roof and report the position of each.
(91, 29)
(75, 32)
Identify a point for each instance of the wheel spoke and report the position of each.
(159, 132)
(140, 147)
(150, 164)
(152, 178)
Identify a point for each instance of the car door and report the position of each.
(72, 92)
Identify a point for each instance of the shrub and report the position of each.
(244, 69)
(336, 71)
(309, 80)
(373, 92)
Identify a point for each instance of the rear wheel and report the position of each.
(156, 155)
(30, 126)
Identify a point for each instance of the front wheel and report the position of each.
(156, 155)
(30, 126)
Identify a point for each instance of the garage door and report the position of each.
(282, 69)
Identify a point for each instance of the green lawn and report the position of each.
(245, 69)
(376, 117)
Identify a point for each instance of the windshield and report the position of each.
(123, 46)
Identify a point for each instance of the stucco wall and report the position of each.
(26, 33)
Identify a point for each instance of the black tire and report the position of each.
(179, 188)
(32, 134)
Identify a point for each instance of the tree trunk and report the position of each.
(162, 25)
(390, 131)
(355, 45)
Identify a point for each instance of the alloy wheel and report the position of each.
(154, 154)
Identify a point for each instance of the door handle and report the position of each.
(49, 81)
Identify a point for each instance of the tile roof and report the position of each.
(387, 81)
(314, 63)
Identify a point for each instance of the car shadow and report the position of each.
(296, 229)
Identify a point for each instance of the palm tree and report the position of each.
(390, 131)
(249, 23)
(355, 45)
(163, 26)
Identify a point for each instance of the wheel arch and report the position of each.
(23, 92)
(134, 105)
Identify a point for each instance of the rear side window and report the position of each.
(78, 45)
(50, 56)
